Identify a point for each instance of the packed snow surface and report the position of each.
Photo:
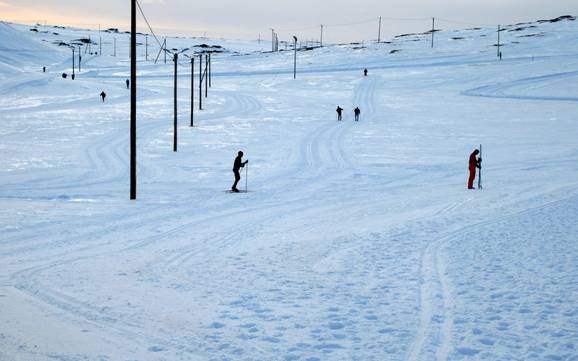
(355, 240)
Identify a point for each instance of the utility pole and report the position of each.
(210, 73)
(176, 60)
(73, 55)
(165, 49)
(499, 30)
(99, 42)
(321, 38)
(147, 47)
(192, 90)
(201, 81)
(294, 57)
(114, 47)
(433, 27)
(206, 75)
(79, 59)
(132, 100)
(379, 31)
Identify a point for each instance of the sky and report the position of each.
(250, 19)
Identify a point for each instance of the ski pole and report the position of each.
(246, 175)
(480, 172)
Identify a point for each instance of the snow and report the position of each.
(356, 240)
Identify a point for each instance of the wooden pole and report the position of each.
(499, 30)
(206, 75)
(73, 55)
(192, 90)
(176, 60)
(433, 27)
(132, 100)
(295, 57)
(379, 31)
(200, 81)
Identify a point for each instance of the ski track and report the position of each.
(328, 136)
(322, 152)
(499, 90)
(433, 340)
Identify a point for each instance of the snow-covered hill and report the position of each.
(356, 240)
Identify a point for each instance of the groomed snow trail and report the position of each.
(356, 240)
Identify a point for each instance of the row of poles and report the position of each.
(204, 75)
(205, 78)
(275, 37)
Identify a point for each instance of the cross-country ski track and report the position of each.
(356, 240)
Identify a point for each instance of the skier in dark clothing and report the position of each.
(339, 110)
(365, 72)
(238, 165)
(473, 164)
(127, 83)
(103, 95)
(44, 69)
(356, 111)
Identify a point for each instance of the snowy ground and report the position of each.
(356, 241)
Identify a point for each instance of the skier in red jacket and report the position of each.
(473, 164)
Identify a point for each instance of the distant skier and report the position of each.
(64, 75)
(127, 83)
(44, 69)
(356, 111)
(236, 167)
(473, 164)
(365, 72)
(339, 110)
(103, 95)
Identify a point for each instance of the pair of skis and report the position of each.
(246, 176)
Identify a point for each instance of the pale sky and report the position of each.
(249, 18)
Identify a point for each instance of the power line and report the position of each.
(464, 23)
(353, 23)
(301, 29)
(149, 25)
(405, 19)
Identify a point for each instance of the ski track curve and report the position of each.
(433, 340)
(324, 137)
(499, 90)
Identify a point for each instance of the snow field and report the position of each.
(357, 241)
